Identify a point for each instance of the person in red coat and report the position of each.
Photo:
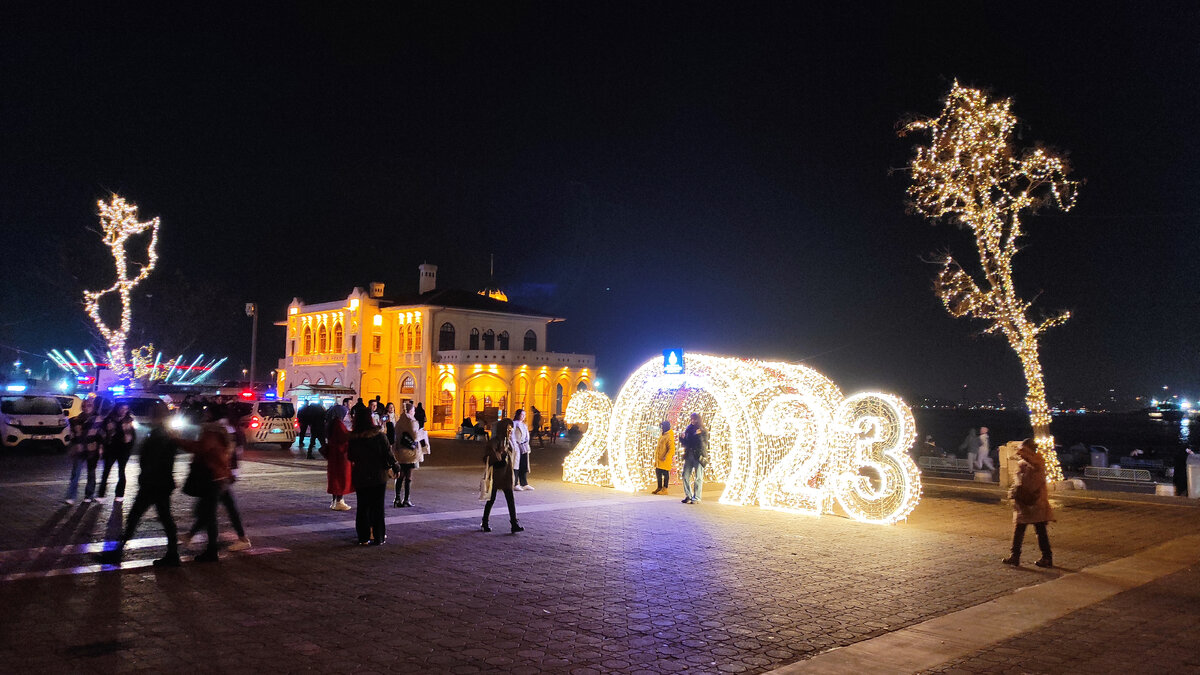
(337, 467)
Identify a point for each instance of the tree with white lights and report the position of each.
(119, 222)
(971, 175)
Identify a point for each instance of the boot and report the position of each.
(484, 527)
(1045, 561)
(310, 455)
(516, 527)
(1014, 560)
(397, 503)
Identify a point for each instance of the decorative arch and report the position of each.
(338, 334)
(489, 339)
(473, 343)
(322, 339)
(307, 342)
(502, 341)
(781, 436)
(530, 341)
(408, 337)
(408, 385)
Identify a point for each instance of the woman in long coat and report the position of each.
(500, 455)
(373, 466)
(1031, 504)
(337, 467)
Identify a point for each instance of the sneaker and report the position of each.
(167, 561)
(340, 505)
(406, 504)
(526, 487)
(686, 501)
(1044, 562)
(241, 544)
(378, 542)
(517, 488)
(1012, 560)
(207, 556)
(88, 500)
(69, 502)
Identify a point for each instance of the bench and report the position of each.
(1155, 465)
(946, 464)
(1119, 475)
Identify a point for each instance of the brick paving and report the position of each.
(601, 581)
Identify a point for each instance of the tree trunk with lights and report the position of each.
(971, 174)
(118, 222)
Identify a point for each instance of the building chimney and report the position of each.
(428, 278)
(376, 289)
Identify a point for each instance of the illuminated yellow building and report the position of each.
(460, 353)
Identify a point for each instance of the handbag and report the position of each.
(485, 483)
(197, 479)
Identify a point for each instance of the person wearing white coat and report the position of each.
(519, 438)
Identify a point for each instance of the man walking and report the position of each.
(695, 456)
(983, 455)
(156, 482)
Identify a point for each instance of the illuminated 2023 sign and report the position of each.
(781, 436)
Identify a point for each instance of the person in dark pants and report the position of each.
(156, 482)
(86, 428)
(238, 436)
(212, 473)
(555, 427)
(303, 415)
(501, 455)
(535, 427)
(119, 436)
(316, 425)
(664, 458)
(1031, 504)
(371, 465)
(419, 416)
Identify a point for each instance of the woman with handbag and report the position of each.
(408, 452)
(500, 456)
(373, 464)
(1031, 504)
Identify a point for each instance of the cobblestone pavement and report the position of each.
(600, 581)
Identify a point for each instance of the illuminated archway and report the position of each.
(781, 436)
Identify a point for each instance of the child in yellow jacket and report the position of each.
(664, 455)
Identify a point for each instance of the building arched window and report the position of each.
(337, 336)
(530, 341)
(489, 339)
(446, 337)
(408, 338)
(407, 385)
(322, 339)
(307, 344)
(582, 386)
(502, 340)
(417, 337)
(474, 343)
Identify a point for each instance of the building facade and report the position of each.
(460, 353)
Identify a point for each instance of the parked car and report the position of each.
(30, 418)
(268, 421)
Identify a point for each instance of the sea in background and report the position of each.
(1120, 433)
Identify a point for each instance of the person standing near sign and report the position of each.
(664, 457)
(695, 442)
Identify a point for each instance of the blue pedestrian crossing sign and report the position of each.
(672, 361)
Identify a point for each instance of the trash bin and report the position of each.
(1099, 458)
(1193, 476)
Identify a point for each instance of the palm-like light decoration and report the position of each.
(971, 174)
(119, 222)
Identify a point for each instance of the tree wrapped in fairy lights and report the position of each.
(119, 222)
(971, 175)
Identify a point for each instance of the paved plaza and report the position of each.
(600, 581)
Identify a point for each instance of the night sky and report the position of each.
(724, 177)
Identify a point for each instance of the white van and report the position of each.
(29, 418)
(271, 422)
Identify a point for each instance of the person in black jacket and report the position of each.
(316, 425)
(371, 465)
(155, 485)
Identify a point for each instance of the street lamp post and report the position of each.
(252, 312)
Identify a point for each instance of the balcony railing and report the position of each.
(310, 359)
(506, 357)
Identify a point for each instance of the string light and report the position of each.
(118, 222)
(971, 174)
(781, 436)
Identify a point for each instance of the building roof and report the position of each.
(456, 298)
